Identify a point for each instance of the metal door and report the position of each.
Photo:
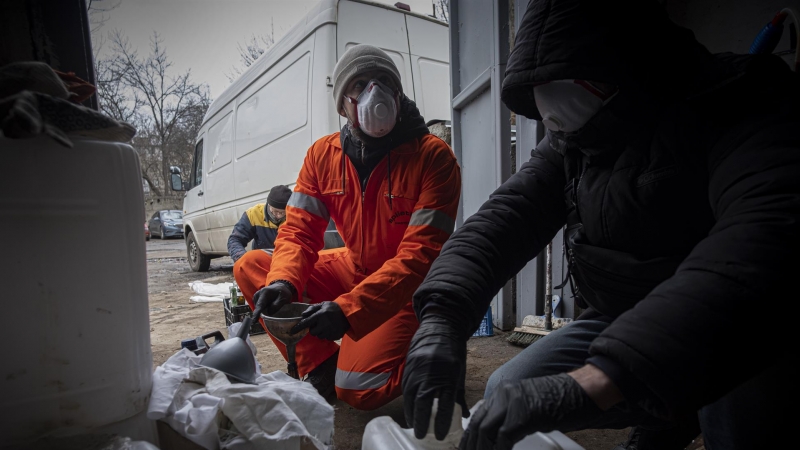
(480, 42)
(481, 129)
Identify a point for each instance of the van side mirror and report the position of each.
(175, 179)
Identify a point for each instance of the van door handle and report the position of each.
(200, 194)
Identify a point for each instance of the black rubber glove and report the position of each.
(519, 408)
(435, 368)
(324, 320)
(270, 299)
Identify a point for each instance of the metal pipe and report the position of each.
(548, 287)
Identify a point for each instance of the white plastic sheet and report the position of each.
(205, 299)
(209, 292)
(201, 404)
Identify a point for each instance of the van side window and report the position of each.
(197, 175)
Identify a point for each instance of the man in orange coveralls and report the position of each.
(392, 189)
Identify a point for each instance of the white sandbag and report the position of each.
(201, 404)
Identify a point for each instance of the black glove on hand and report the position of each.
(270, 299)
(435, 368)
(324, 320)
(519, 408)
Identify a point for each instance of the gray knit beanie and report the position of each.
(357, 60)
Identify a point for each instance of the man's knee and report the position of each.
(495, 379)
(250, 272)
(367, 400)
(250, 263)
(240, 272)
(238, 267)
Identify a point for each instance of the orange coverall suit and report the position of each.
(392, 233)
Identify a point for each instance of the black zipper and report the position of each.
(361, 224)
(364, 186)
(577, 188)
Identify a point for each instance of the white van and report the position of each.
(256, 134)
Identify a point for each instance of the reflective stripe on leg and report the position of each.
(360, 381)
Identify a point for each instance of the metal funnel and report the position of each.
(233, 357)
(279, 325)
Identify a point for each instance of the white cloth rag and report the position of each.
(200, 403)
(209, 292)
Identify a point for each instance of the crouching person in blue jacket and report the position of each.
(260, 224)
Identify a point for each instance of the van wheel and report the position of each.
(197, 260)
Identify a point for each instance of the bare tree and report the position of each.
(185, 134)
(251, 50)
(150, 156)
(167, 110)
(116, 100)
(119, 102)
(441, 9)
(98, 12)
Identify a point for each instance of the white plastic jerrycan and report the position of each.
(383, 433)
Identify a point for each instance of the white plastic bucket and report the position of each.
(383, 433)
(77, 349)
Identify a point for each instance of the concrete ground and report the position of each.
(174, 317)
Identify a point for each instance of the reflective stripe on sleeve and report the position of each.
(434, 218)
(310, 204)
(358, 381)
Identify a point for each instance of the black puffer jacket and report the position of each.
(687, 187)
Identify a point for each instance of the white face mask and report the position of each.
(566, 105)
(376, 109)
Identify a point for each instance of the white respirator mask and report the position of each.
(376, 109)
(566, 105)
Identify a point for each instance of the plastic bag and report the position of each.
(209, 292)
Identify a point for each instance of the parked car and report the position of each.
(166, 223)
(146, 232)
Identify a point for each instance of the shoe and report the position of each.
(323, 378)
(676, 438)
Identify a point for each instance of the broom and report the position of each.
(536, 327)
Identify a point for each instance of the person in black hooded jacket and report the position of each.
(677, 175)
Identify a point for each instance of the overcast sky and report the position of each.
(201, 35)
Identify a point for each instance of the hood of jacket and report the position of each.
(651, 60)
